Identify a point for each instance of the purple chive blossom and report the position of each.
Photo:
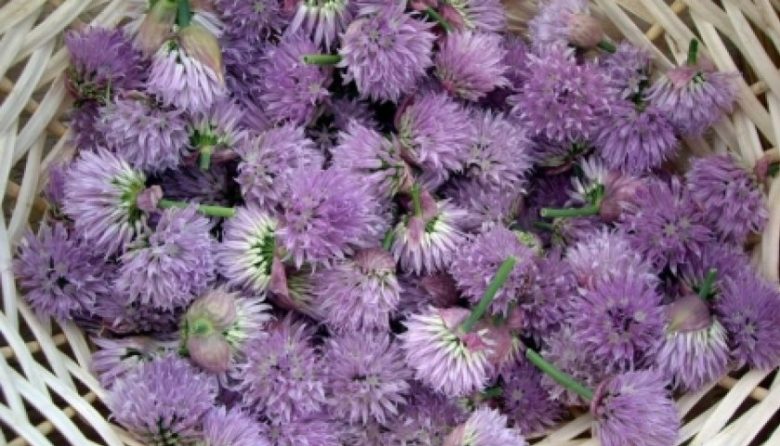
(442, 358)
(243, 61)
(556, 287)
(323, 20)
(345, 110)
(117, 316)
(694, 97)
(193, 184)
(420, 292)
(516, 59)
(612, 191)
(316, 430)
(103, 61)
(619, 323)
(182, 81)
(100, 195)
(219, 129)
(115, 358)
(424, 244)
(478, 15)
(172, 265)
(499, 155)
(387, 52)
(426, 420)
(561, 22)
(486, 206)
(729, 261)
(233, 427)
(358, 294)
(562, 101)
(85, 125)
(749, 308)
(292, 90)
(327, 214)
(636, 139)
(162, 401)
(663, 227)
(476, 263)
(628, 70)
(570, 358)
(269, 162)
(253, 20)
(282, 376)
(485, 427)
(526, 402)
(634, 408)
(471, 65)
(607, 255)
(729, 195)
(59, 276)
(368, 155)
(247, 250)
(150, 137)
(367, 377)
(435, 132)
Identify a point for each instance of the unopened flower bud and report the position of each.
(156, 26)
(452, 16)
(211, 352)
(687, 314)
(148, 198)
(375, 261)
(422, 5)
(218, 307)
(202, 45)
(585, 31)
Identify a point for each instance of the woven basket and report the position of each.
(48, 394)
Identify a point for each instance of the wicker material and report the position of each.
(50, 398)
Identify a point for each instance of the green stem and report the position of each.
(693, 52)
(585, 211)
(492, 392)
(205, 157)
(498, 281)
(545, 226)
(607, 46)
(557, 375)
(210, 210)
(184, 14)
(436, 17)
(416, 200)
(387, 242)
(321, 59)
(705, 289)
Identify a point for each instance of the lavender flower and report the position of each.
(426, 419)
(316, 430)
(248, 248)
(367, 377)
(560, 22)
(233, 427)
(544, 309)
(243, 61)
(59, 276)
(324, 20)
(103, 61)
(292, 90)
(663, 227)
(636, 138)
(485, 427)
(85, 125)
(218, 130)
(694, 96)
(486, 206)
(268, 164)
(182, 81)
(442, 358)
(571, 359)
(479, 15)
(435, 133)
(345, 110)
(358, 294)
(470, 65)
(327, 215)
(100, 195)
(562, 101)
(149, 137)
(282, 376)
(628, 70)
(476, 263)
(386, 53)
(619, 323)
(749, 309)
(162, 401)
(516, 59)
(607, 255)
(115, 315)
(527, 404)
(499, 154)
(633, 408)
(251, 19)
(729, 196)
(118, 357)
(172, 265)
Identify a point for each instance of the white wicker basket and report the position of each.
(48, 394)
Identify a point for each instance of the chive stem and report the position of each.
(204, 160)
(184, 15)
(585, 211)
(321, 59)
(705, 289)
(607, 46)
(557, 375)
(205, 209)
(495, 285)
(416, 202)
(436, 17)
(693, 52)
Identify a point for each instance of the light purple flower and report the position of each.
(478, 15)
(252, 20)
(471, 65)
(568, 357)
(219, 130)
(607, 255)
(426, 419)
(500, 153)
(327, 214)
(634, 408)
(60, 277)
(316, 430)
(162, 401)
(476, 262)
(386, 52)
(115, 358)
(247, 250)
(283, 376)
(100, 195)
(345, 110)
(628, 70)
(231, 427)
(243, 62)
(551, 25)
(291, 90)
(115, 315)
(270, 161)
(323, 20)
(85, 126)
(516, 59)
(527, 404)
(485, 427)
(729, 195)
(544, 309)
(367, 377)
(443, 358)
(486, 206)
(150, 137)
(360, 293)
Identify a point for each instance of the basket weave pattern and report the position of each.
(48, 396)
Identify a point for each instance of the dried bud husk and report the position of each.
(211, 352)
(441, 288)
(157, 26)
(689, 313)
(202, 45)
(585, 31)
(375, 261)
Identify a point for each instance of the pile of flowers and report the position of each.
(373, 222)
